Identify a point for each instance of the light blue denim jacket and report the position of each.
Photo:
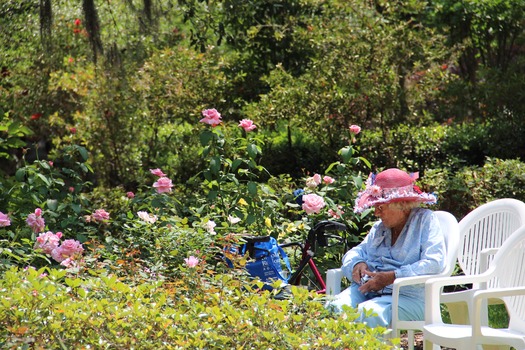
(419, 250)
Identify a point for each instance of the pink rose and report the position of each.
(71, 247)
(247, 125)
(163, 185)
(35, 221)
(68, 250)
(328, 180)
(48, 241)
(313, 203)
(130, 195)
(157, 172)
(354, 129)
(4, 220)
(211, 116)
(191, 261)
(100, 215)
(313, 181)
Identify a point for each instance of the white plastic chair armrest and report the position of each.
(484, 258)
(433, 295)
(401, 282)
(333, 281)
(456, 297)
(481, 295)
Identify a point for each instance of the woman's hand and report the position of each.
(378, 281)
(360, 269)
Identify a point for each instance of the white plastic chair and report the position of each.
(508, 267)
(482, 232)
(450, 228)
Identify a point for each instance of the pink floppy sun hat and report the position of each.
(391, 185)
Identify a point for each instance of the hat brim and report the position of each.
(366, 200)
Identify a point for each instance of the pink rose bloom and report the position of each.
(100, 215)
(35, 221)
(4, 220)
(163, 185)
(130, 195)
(48, 241)
(57, 255)
(191, 261)
(247, 125)
(68, 262)
(68, 250)
(157, 172)
(211, 116)
(336, 214)
(354, 129)
(313, 181)
(71, 247)
(328, 180)
(313, 203)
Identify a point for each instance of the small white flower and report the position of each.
(146, 217)
(210, 226)
(233, 220)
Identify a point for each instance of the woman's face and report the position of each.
(392, 216)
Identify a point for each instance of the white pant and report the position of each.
(381, 305)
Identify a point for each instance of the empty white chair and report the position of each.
(482, 232)
(508, 268)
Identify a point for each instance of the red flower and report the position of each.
(36, 116)
(77, 22)
(73, 130)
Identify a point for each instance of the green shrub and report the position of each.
(49, 308)
(460, 192)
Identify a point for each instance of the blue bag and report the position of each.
(267, 258)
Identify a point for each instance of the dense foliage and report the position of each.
(100, 141)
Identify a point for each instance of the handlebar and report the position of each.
(317, 233)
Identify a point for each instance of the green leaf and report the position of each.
(44, 179)
(52, 204)
(346, 153)
(252, 188)
(76, 207)
(20, 174)
(252, 150)
(215, 165)
(205, 137)
(236, 163)
(83, 152)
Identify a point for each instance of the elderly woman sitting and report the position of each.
(406, 241)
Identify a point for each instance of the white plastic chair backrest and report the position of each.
(487, 226)
(509, 267)
(450, 228)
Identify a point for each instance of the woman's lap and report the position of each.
(381, 306)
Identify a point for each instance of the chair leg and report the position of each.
(410, 339)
